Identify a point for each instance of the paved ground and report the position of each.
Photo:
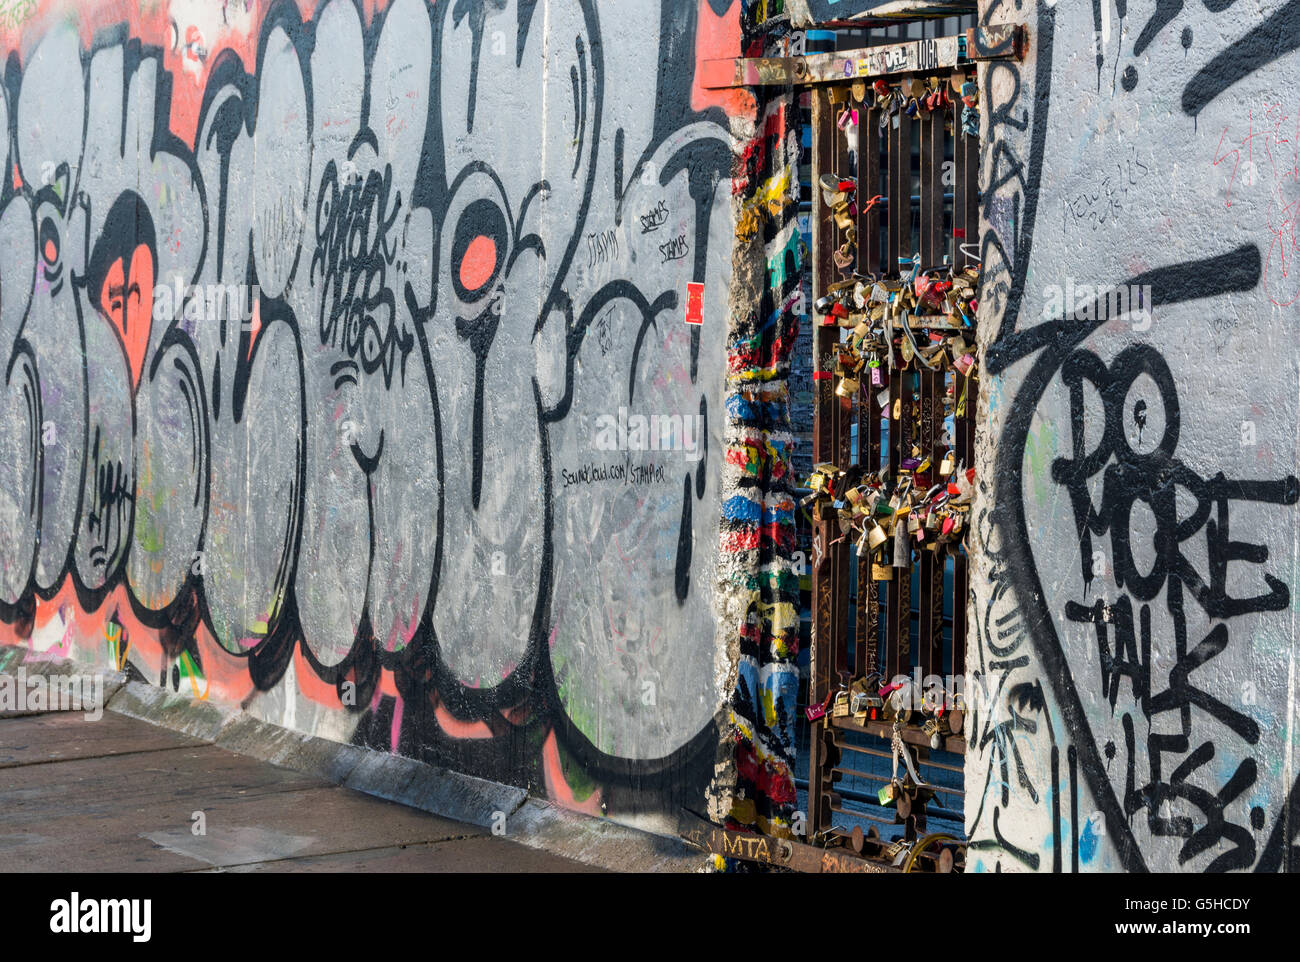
(121, 795)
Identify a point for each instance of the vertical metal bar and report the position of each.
(965, 206)
(930, 603)
(869, 262)
(898, 634)
(966, 242)
(904, 428)
(841, 433)
(900, 190)
(931, 187)
(823, 447)
(868, 184)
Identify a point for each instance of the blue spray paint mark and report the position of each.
(1087, 842)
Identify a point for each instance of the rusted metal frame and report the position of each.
(867, 651)
(766, 850)
(930, 603)
(823, 449)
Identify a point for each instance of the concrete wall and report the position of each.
(1135, 596)
(389, 497)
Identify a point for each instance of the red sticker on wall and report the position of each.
(694, 303)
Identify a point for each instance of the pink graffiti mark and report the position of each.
(395, 732)
(401, 635)
(557, 786)
(1272, 156)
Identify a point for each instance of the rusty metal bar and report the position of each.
(840, 429)
(988, 42)
(823, 448)
(868, 185)
(930, 582)
(932, 157)
(898, 242)
(965, 205)
(784, 852)
(966, 244)
(867, 649)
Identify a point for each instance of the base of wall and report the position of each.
(529, 821)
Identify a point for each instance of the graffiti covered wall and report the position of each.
(1136, 597)
(365, 363)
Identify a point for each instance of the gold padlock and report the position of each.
(881, 572)
(876, 536)
(947, 466)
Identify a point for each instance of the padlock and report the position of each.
(898, 408)
(947, 466)
(881, 572)
(902, 550)
(876, 536)
(887, 796)
(841, 707)
(848, 387)
(932, 728)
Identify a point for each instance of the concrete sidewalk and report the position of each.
(123, 795)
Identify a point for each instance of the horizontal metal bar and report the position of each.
(872, 776)
(845, 65)
(889, 14)
(998, 42)
(854, 813)
(912, 736)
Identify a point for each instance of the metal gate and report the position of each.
(895, 218)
